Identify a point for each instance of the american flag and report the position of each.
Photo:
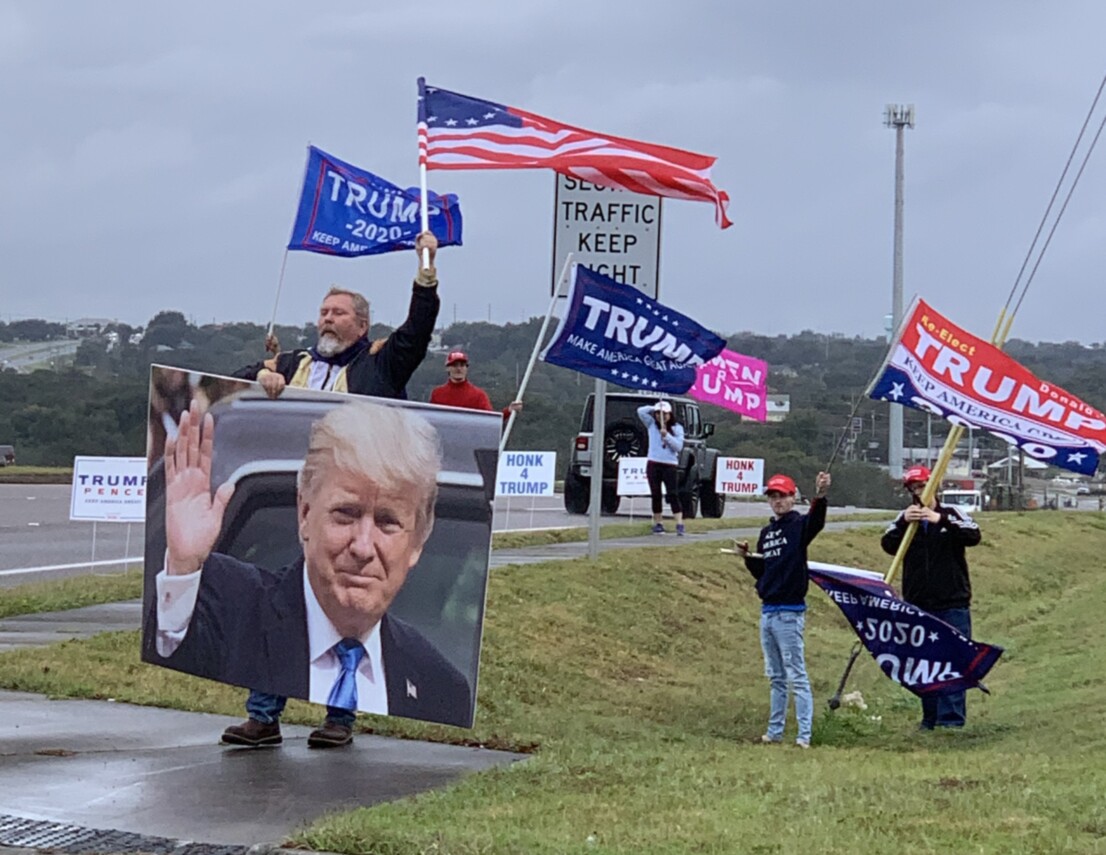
(459, 132)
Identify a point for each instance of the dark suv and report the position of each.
(625, 436)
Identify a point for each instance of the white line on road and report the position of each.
(138, 559)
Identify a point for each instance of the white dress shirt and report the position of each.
(176, 601)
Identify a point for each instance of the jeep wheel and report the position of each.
(712, 504)
(577, 494)
(690, 500)
(623, 439)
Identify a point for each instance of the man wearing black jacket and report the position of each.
(935, 577)
(781, 572)
(343, 360)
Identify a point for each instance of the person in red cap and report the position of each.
(782, 579)
(459, 392)
(935, 576)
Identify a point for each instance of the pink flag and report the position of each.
(736, 382)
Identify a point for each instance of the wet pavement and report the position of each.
(151, 771)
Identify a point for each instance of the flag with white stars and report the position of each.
(459, 132)
(345, 210)
(616, 333)
(940, 368)
(921, 653)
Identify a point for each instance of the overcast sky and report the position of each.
(151, 153)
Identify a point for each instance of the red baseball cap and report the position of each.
(915, 475)
(456, 356)
(780, 484)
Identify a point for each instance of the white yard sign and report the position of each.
(108, 489)
(739, 476)
(526, 473)
(612, 231)
(631, 476)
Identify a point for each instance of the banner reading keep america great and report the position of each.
(936, 366)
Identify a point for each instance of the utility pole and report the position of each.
(897, 116)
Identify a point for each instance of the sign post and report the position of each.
(108, 489)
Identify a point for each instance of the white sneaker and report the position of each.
(768, 740)
(802, 743)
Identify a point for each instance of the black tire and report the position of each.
(690, 500)
(712, 504)
(610, 501)
(623, 438)
(577, 495)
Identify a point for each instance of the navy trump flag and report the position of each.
(619, 334)
(347, 211)
(918, 651)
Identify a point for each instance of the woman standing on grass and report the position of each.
(666, 440)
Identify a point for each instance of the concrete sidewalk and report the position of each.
(159, 772)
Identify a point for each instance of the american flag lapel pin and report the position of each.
(412, 690)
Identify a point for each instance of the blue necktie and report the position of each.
(344, 692)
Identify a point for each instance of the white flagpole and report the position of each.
(422, 132)
(284, 261)
(537, 347)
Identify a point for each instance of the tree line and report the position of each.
(98, 406)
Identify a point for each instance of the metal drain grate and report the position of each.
(35, 834)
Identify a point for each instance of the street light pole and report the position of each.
(897, 116)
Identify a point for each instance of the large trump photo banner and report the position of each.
(320, 546)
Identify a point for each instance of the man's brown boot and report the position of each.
(253, 733)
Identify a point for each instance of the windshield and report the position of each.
(966, 500)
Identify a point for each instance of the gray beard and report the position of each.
(329, 345)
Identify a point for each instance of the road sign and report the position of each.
(612, 231)
(631, 476)
(526, 473)
(108, 489)
(739, 476)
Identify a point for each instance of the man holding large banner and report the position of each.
(935, 578)
(342, 360)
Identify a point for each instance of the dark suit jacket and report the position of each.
(250, 628)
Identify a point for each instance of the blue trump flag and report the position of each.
(617, 333)
(921, 653)
(347, 211)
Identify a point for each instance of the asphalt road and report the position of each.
(38, 541)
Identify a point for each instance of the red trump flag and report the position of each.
(936, 366)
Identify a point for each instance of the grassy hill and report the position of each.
(637, 683)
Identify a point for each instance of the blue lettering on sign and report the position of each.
(512, 488)
(528, 459)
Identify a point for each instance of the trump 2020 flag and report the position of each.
(460, 132)
(347, 211)
(618, 334)
(918, 651)
(736, 382)
(936, 366)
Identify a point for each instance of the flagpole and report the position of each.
(284, 261)
(998, 339)
(424, 208)
(534, 354)
(280, 285)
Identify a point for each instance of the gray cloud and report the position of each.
(152, 152)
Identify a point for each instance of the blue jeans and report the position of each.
(948, 710)
(781, 637)
(266, 708)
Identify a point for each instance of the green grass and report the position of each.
(637, 682)
(36, 474)
(70, 593)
